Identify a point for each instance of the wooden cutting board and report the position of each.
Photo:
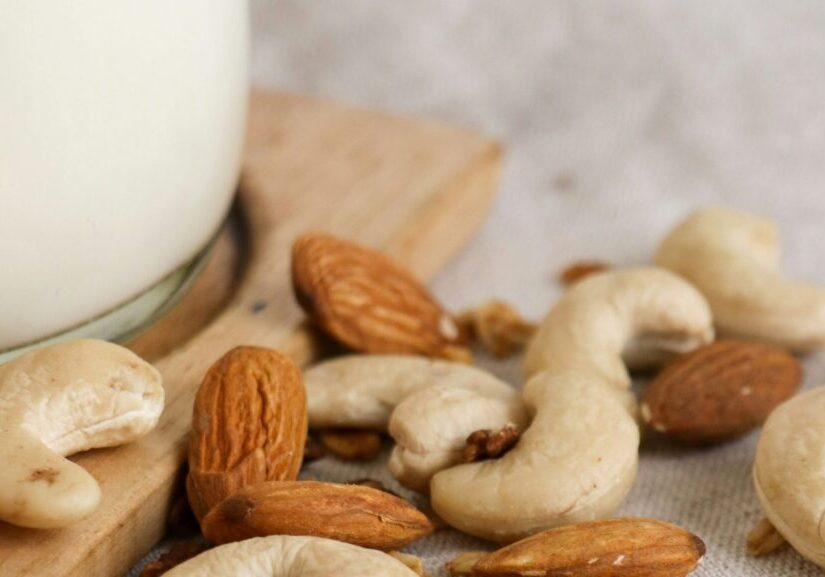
(416, 189)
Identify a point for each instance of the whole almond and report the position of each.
(352, 513)
(629, 547)
(369, 303)
(249, 425)
(720, 390)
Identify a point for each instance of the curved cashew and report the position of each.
(732, 258)
(363, 391)
(61, 400)
(647, 309)
(287, 556)
(424, 447)
(789, 472)
(578, 458)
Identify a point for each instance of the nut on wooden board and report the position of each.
(60, 400)
(249, 425)
(368, 302)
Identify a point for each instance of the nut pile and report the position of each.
(474, 445)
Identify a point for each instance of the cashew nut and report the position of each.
(789, 472)
(363, 391)
(61, 400)
(646, 309)
(424, 446)
(732, 258)
(578, 458)
(287, 556)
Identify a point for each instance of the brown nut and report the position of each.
(719, 391)
(351, 444)
(487, 444)
(628, 547)
(369, 303)
(249, 425)
(498, 327)
(574, 272)
(352, 513)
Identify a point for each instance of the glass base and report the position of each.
(130, 318)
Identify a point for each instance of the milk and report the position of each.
(121, 129)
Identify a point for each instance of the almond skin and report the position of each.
(369, 303)
(629, 547)
(249, 425)
(351, 513)
(720, 391)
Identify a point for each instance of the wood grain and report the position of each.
(416, 189)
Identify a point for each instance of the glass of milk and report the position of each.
(121, 133)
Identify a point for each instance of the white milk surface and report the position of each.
(121, 129)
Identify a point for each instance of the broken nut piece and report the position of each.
(764, 539)
(410, 561)
(351, 444)
(498, 327)
(180, 552)
(487, 444)
(576, 271)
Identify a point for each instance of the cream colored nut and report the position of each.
(365, 390)
(764, 539)
(788, 472)
(411, 561)
(732, 258)
(578, 458)
(361, 391)
(646, 309)
(425, 445)
(287, 556)
(61, 400)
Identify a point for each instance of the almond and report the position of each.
(369, 303)
(629, 547)
(249, 425)
(720, 390)
(351, 513)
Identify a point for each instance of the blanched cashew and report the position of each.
(607, 314)
(424, 446)
(732, 258)
(789, 472)
(61, 400)
(578, 458)
(287, 556)
(362, 391)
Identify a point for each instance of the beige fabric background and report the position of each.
(618, 117)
